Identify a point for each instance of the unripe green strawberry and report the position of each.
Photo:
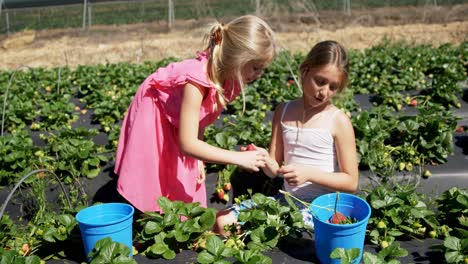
(384, 244)
(409, 166)
(401, 166)
(433, 234)
(381, 225)
(25, 248)
(230, 243)
(427, 174)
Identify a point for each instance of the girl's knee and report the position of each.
(223, 218)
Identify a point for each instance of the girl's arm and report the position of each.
(276, 145)
(189, 140)
(347, 179)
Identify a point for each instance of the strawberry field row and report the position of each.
(407, 104)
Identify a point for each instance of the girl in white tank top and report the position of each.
(313, 144)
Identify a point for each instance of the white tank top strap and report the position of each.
(331, 118)
(284, 110)
(333, 115)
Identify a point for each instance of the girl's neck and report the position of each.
(315, 109)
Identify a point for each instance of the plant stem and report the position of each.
(308, 205)
(336, 199)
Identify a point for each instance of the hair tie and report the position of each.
(217, 36)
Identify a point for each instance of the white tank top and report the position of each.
(309, 146)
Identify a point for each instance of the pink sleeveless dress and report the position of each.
(149, 162)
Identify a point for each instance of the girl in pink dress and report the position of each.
(161, 140)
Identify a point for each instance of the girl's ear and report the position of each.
(304, 74)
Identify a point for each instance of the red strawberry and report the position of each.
(251, 147)
(220, 193)
(460, 129)
(413, 102)
(337, 218)
(227, 186)
(291, 81)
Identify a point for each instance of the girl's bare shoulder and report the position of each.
(342, 122)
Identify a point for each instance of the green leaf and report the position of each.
(165, 204)
(169, 254)
(152, 228)
(124, 260)
(453, 257)
(32, 260)
(395, 233)
(91, 174)
(369, 258)
(214, 245)
(338, 253)
(204, 257)
(208, 218)
(181, 236)
(66, 220)
(377, 204)
(49, 235)
(221, 139)
(158, 248)
(452, 243)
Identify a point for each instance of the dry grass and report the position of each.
(154, 41)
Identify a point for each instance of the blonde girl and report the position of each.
(161, 141)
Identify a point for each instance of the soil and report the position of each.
(154, 41)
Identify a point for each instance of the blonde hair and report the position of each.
(326, 53)
(231, 46)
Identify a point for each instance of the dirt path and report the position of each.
(110, 46)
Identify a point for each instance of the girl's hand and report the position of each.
(201, 172)
(294, 175)
(262, 151)
(251, 160)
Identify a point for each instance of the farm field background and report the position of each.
(137, 43)
(64, 105)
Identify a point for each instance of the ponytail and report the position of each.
(214, 67)
(231, 46)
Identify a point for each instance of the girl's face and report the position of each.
(252, 71)
(320, 84)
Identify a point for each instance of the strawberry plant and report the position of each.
(106, 251)
(41, 226)
(217, 252)
(17, 156)
(373, 128)
(453, 205)
(75, 152)
(453, 211)
(398, 211)
(387, 255)
(267, 222)
(7, 256)
(165, 234)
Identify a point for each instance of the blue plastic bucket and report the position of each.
(329, 236)
(112, 220)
